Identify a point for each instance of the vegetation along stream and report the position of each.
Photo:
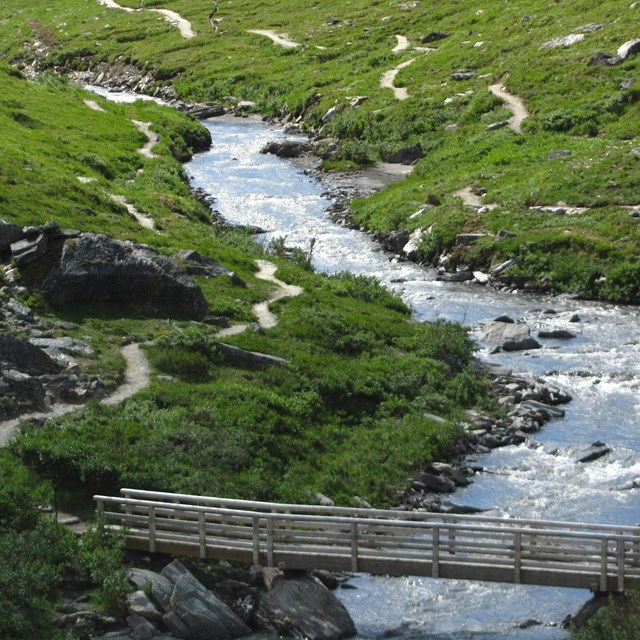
(600, 367)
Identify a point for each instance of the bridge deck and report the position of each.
(596, 557)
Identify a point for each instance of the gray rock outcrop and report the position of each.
(180, 603)
(304, 608)
(96, 269)
(195, 264)
(25, 357)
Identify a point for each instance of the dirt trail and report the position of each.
(152, 138)
(280, 39)
(266, 319)
(137, 374)
(92, 104)
(403, 43)
(145, 221)
(514, 103)
(387, 80)
(184, 26)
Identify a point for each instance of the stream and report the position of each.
(539, 479)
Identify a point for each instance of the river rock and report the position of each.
(98, 270)
(287, 149)
(596, 453)
(304, 608)
(557, 334)
(410, 249)
(509, 336)
(204, 111)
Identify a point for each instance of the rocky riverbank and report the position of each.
(174, 603)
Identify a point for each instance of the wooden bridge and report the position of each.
(560, 554)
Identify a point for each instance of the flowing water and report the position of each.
(600, 367)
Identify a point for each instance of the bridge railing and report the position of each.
(602, 557)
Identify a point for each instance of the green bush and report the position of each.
(102, 558)
(32, 564)
(619, 620)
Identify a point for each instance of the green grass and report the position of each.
(576, 107)
(346, 417)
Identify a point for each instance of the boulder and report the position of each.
(406, 155)
(160, 587)
(565, 41)
(204, 111)
(287, 149)
(434, 36)
(629, 48)
(139, 604)
(9, 234)
(557, 334)
(198, 609)
(463, 74)
(596, 453)
(509, 336)
(304, 608)
(25, 357)
(602, 58)
(29, 250)
(396, 240)
(411, 247)
(141, 628)
(66, 345)
(435, 484)
(460, 276)
(251, 358)
(196, 264)
(97, 270)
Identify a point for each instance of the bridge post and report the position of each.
(604, 564)
(270, 542)
(452, 540)
(517, 558)
(435, 565)
(620, 564)
(256, 540)
(202, 531)
(152, 529)
(354, 547)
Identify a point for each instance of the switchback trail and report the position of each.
(280, 39)
(184, 26)
(266, 319)
(514, 103)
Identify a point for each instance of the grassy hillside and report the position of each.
(590, 112)
(349, 416)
